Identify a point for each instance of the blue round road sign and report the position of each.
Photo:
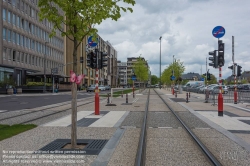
(173, 77)
(133, 78)
(218, 31)
(91, 42)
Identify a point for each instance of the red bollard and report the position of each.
(235, 97)
(97, 106)
(220, 105)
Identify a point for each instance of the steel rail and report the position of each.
(197, 140)
(141, 151)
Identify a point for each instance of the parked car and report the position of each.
(216, 89)
(101, 87)
(107, 87)
(91, 88)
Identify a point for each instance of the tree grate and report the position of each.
(93, 147)
(178, 99)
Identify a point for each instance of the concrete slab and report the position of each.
(108, 120)
(227, 122)
(66, 121)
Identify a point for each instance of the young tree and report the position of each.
(76, 19)
(178, 68)
(140, 70)
(154, 79)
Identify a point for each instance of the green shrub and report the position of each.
(38, 84)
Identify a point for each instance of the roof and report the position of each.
(190, 76)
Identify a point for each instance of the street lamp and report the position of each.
(44, 69)
(160, 62)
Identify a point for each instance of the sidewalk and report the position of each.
(235, 122)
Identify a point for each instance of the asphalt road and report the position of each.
(12, 103)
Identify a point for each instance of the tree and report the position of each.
(178, 68)
(79, 18)
(213, 79)
(140, 70)
(154, 80)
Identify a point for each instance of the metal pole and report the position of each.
(53, 84)
(44, 69)
(220, 97)
(173, 75)
(160, 62)
(97, 99)
(234, 66)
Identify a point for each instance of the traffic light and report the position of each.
(214, 60)
(104, 60)
(239, 70)
(232, 68)
(171, 78)
(91, 60)
(208, 76)
(221, 48)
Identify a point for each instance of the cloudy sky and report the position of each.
(186, 29)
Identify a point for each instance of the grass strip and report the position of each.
(7, 131)
(118, 93)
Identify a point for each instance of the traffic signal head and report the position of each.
(104, 60)
(208, 76)
(171, 78)
(221, 49)
(239, 71)
(91, 60)
(214, 60)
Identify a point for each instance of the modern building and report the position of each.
(130, 63)
(27, 52)
(112, 78)
(122, 73)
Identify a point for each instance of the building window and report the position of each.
(18, 21)
(9, 16)
(9, 35)
(9, 54)
(21, 40)
(14, 2)
(14, 37)
(14, 55)
(13, 19)
(21, 56)
(17, 56)
(4, 53)
(4, 14)
(4, 33)
(17, 39)
(26, 58)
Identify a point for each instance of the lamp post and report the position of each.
(44, 69)
(160, 62)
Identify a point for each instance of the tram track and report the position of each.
(145, 148)
(29, 117)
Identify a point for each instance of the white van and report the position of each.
(190, 83)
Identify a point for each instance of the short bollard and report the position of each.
(122, 94)
(187, 98)
(126, 98)
(189, 94)
(175, 94)
(108, 101)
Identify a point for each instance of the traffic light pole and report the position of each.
(235, 87)
(220, 97)
(97, 99)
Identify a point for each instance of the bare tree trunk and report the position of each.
(74, 116)
(74, 101)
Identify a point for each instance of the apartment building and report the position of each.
(130, 63)
(112, 78)
(122, 73)
(27, 52)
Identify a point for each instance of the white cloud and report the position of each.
(186, 30)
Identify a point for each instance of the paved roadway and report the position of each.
(29, 101)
